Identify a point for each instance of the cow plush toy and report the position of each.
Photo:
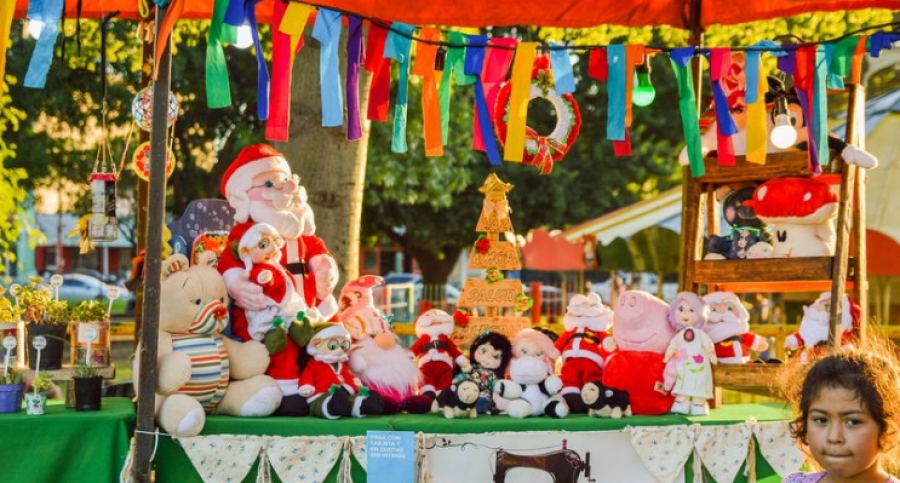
(605, 402)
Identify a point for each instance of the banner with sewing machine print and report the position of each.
(536, 457)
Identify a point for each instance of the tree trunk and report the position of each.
(435, 269)
(332, 169)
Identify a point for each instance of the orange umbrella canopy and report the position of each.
(589, 13)
(557, 13)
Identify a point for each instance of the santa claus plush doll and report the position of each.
(260, 187)
(584, 346)
(728, 326)
(379, 360)
(812, 335)
(260, 249)
(437, 354)
(326, 380)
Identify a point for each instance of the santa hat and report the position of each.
(434, 318)
(251, 161)
(328, 330)
(587, 311)
(363, 284)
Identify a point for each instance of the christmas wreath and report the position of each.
(542, 151)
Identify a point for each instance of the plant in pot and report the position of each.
(90, 334)
(10, 320)
(44, 316)
(88, 387)
(36, 399)
(11, 389)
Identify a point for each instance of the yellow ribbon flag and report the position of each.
(757, 126)
(294, 20)
(518, 101)
(7, 9)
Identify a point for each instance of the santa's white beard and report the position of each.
(390, 368)
(330, 358)
(814, 327)
(289, 223)
(721, 326)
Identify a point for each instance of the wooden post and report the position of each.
(153, 267)
(536, 303)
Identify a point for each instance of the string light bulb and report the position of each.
(643, 93)
(244, 37)
(783, 135)
(35, 27)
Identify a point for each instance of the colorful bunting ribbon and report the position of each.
(431, 109)
(497, 59)
(244, 13)
(176, 7)
(397, 47)
(856, 64)
(49, 12)
(7, 9)
(518, 101)
(680, 59)
(634, 54)
(218, 88)
(351, 85)
(563, 78)
(380, 68)
(454, 71)
(720, 64)
(756, 123)
(598, 67)
(288, 22)
(804, 85)
(473, 66)
(616, 57)
(820, 105)
(327, 30)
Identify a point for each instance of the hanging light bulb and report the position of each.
(783, 135)
(35, 27)
(244, 37)
(643, 93)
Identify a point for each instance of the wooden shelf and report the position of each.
(811, 274)
(788, 163)
(65, 373)
(751, 378)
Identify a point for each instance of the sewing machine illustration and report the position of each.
(564, 465)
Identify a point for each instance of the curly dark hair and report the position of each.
(499, 342)
(869, 371)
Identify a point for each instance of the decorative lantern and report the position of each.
(142, 108)
(140, 162)
(103, 225)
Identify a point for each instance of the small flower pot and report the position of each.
(34, 403)
(11, 397)
(88, 393)
(52, 355)
(100, 348)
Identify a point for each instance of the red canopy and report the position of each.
(557, 13)
(590, 13)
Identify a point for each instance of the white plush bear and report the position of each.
(532, 389)
(232, 381)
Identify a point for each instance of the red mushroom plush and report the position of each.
(802, 212)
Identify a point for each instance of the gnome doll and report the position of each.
(584, 346)
(728, 326)
(378, 359)
(261, 188)
(436, 353)
(326, 381)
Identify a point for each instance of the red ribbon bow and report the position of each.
(547, 147)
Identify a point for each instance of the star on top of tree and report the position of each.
(494, 189)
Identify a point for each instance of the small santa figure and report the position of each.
(326, 380)
(812, 336)
(260, 250)
(437, 354)
(584, 346)
(729, 328)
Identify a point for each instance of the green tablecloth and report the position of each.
(64, 445)
(172, 464)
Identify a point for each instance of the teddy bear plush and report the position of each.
(532, 389)
(199, 370)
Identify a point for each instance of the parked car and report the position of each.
(77, 287)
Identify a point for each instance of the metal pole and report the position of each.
(155, 213)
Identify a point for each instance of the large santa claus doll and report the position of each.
(584, 346)
(260, 187)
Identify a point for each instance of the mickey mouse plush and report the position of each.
(748, 237)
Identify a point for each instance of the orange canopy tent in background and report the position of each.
(129, 9)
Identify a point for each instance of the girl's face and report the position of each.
(843, 437)
(488, 357)
(686, 315)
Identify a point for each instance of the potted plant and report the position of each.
(88, 387)
(46, 317)
(10, 317)
(90, 333)
(36, 400)
(11, 389)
